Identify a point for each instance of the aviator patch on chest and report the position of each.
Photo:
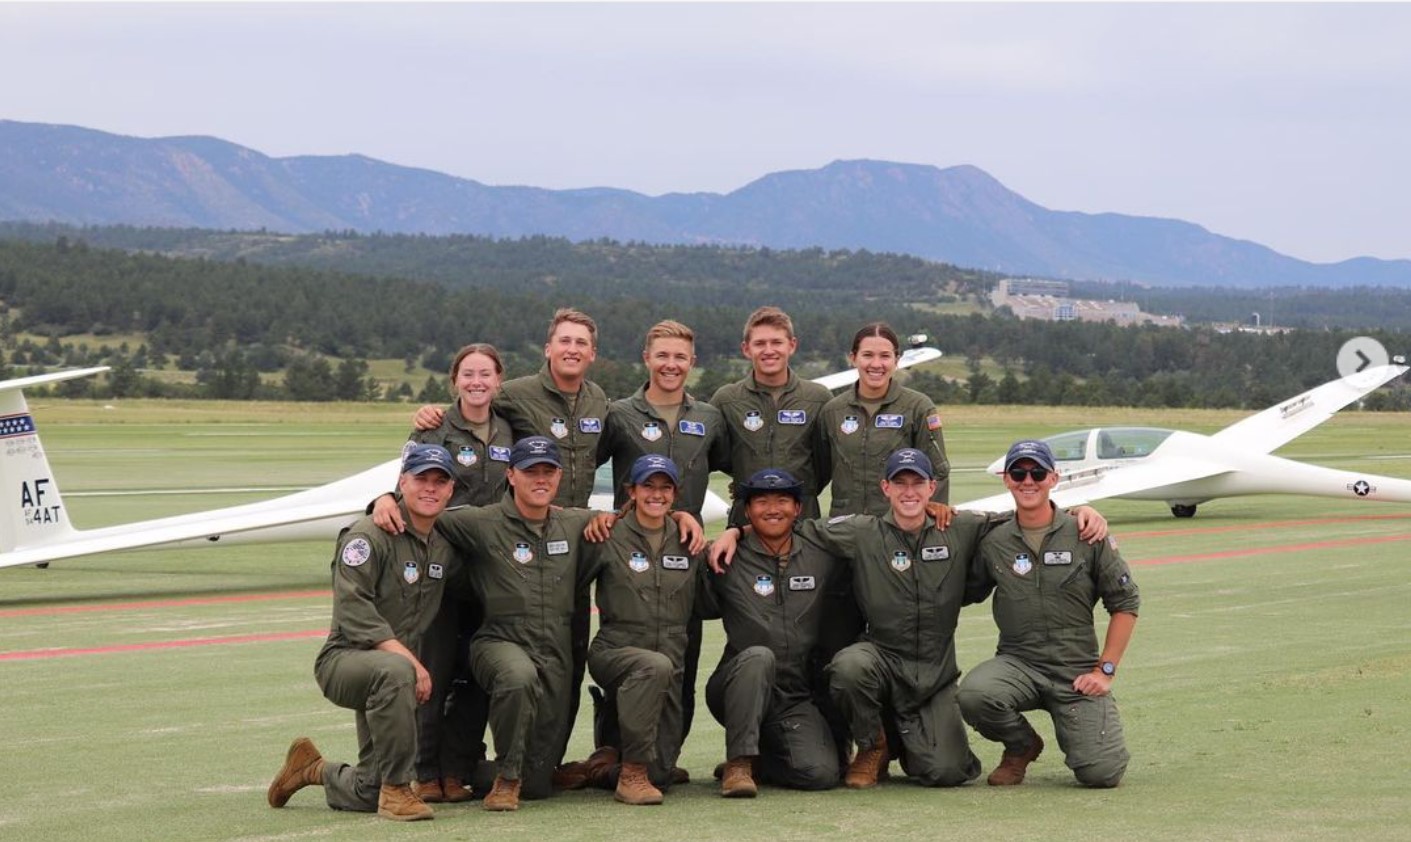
(676, 562)
(1053, 558)
(935, 553)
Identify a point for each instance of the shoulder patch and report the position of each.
(933, 421)
(356, 552)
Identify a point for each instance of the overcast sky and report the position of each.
(1288, 125)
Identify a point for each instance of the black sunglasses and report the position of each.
(1037, 474)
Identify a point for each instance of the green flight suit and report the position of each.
(766, 434)
(384, 587)
(698, 443)
(763, 690)
(646, 599)
(451, 725)
(858, 446)
(528, 576)
(534, 406)
(910, 587)
(1043, 605)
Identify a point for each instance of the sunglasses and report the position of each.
(1036, 474)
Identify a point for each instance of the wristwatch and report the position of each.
(1108, 668)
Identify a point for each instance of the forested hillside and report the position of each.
(227, 319)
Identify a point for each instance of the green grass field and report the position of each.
(1267, 693)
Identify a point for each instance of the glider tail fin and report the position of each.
(32, 513)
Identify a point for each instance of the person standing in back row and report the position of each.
(873, 419)
(771, 413)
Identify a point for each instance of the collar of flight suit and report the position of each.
(893, 392)
(641, 404)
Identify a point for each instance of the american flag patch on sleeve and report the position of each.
(933, 421)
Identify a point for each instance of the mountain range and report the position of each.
(959, 215)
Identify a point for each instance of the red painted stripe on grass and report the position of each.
(1269, 524)
(162, 603)
(1314, 545)
(37, 654)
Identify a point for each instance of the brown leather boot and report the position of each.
(430, 791)
(572, 775)
(400, 803)
(633, 786)
(454, 790)
(737, 779)
(679, 776)
(303, 766)
(1011, 768)
(598, 767)
(503, 797)
(862, 771)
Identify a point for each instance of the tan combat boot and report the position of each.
(399, 802)
(633, 786)
(454, 791)
(862, 771)
(503, 797)
(1011, 768)
(430, 791)
(737, 779)
(303, 766)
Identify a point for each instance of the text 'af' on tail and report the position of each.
(33, 511)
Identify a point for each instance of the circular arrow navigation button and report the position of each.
(1357, 358)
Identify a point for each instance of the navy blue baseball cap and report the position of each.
(421, 458)
(535, 450)
(650, 464)
(909, 459)
(1038, 451)
(770, 480)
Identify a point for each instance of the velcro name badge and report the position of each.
(557, 547)
(801, 583)
(889, 422)
(1052, 559)
(691, 428)
(795, 417)
(676, 562)
(935, 553)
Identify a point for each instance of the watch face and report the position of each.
(1109, 668)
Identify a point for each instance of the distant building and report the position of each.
(1029, 298)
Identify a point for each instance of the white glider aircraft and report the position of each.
(1186, 469)
(37, 530)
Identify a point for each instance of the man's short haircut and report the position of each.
(578, 317)
(668, 329)
(769, 316)
(476, 348)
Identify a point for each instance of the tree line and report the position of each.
(229, 321)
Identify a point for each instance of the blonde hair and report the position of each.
(769, 316)
(668, 329)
